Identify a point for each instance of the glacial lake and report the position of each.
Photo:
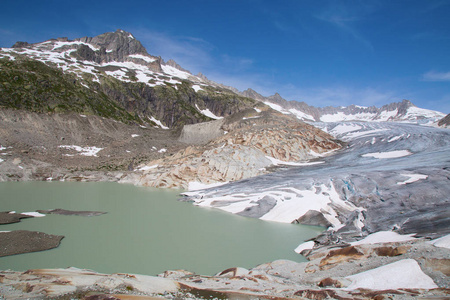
(145, 231)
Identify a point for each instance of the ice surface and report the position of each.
(384, 237)
(412, 178)
(443, 242)
(389, 154)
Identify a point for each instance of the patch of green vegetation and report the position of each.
(34, 86)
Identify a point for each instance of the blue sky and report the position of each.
(332, 52)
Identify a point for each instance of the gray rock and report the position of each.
(313, 217)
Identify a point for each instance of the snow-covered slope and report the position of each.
(403, 111)
(88, 55)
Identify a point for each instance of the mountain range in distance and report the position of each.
(113, 75)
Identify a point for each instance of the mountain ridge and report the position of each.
(120, 55)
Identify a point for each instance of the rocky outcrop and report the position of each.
(445, 121)
(23, 241)
(253, 141)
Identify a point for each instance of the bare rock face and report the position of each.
(252, 140)
(444, 122)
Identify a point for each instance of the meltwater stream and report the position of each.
(145, 231)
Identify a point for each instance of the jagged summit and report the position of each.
(118, 45)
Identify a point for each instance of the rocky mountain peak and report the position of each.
(253, 94)
(120, 43)
(175, 65)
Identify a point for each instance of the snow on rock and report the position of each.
(443, 242)
(208, 113)
(33, 214)
(1, 160)
(162, 150)
(143, 57)
(403, 274)
(412, 178)
(384, 237)
(86, 151)
(389, 154)
(175, 72)
(304, 246)
(158, 122)
(197, 88)
(301, 115)
(145, 168)
(277, 107)
(134, 135)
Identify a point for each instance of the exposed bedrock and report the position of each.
(237, 147)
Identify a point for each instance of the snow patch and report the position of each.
(33, 214)
(146, 168)
(389, 154)
(443, 242)
(86, 151)
(208, 113)
(301, 115)
(145, 58)
(158, 122)
(403, 274)
(162, 150)
(412, 178)
(197, 88)
(277, 107)
(134, 135)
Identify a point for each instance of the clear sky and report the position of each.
(322, 52)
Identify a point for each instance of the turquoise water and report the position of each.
(145, 231)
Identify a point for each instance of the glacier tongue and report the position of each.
(357, 195)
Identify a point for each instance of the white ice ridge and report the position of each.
(86, 151)
(33, 214)
(403, 274)
(388, 154)
(384, 237)
(291, 203)
(412, 178)
(305, 246)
